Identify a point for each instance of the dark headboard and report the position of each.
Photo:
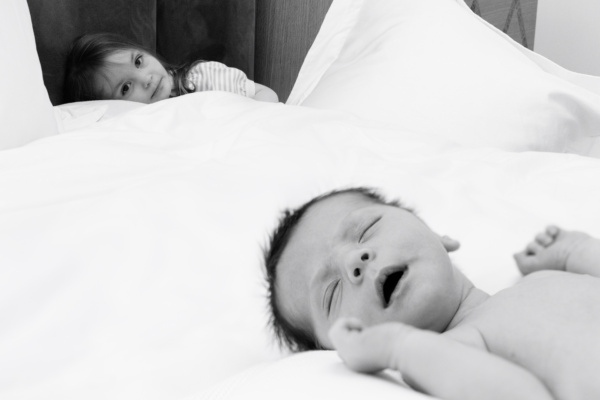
(267, 39)
(285, 30)
(181, 30)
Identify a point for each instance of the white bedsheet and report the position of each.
(130, 251)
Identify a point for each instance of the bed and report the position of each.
(131, 235)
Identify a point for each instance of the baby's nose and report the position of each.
(357, 264)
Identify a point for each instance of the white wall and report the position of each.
(568, 33)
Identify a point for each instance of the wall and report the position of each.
(568, 33)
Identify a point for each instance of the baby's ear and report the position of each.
(449, 244)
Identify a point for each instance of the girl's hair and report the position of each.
(87, 59)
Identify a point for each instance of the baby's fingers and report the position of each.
(548, 236)
(350, 324)
(362, 349)
(544, 239)
(342, 328)
(533, 248)
(552, 231)
(526, 261)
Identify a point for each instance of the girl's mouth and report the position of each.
(157, 87)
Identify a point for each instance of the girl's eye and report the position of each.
(125, 88)
(360, 239)
(138, 61)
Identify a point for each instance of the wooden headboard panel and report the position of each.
(216, 30)
(285, 30)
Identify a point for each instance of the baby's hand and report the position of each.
(551, 249)
(367, 349)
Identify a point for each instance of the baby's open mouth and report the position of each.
(389, 282)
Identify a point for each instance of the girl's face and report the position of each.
(135, 76)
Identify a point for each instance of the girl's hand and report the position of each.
(264, 93)
(368, 349)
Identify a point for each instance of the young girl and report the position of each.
(104, 66)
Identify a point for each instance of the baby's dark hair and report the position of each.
(87, 59)
(292, 337)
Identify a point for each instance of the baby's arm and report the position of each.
(433, 363)
(263, 93)
(562, 250)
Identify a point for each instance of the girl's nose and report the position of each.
(142, 78)
(356, 264)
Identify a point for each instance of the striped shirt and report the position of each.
(212, 75)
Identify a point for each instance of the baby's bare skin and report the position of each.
(547, 325)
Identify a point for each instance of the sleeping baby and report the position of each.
(351, 271)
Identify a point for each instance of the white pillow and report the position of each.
(25, 109)
(435, 67)
(82, 114)
(310, 375)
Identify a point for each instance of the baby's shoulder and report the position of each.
(543, 292)
(546, 289)
(539, 275)
(551, 278)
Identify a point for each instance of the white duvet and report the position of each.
(131, 250)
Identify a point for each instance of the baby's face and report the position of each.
(349, 256)
(135, 76)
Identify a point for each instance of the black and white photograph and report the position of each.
(299, 199)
